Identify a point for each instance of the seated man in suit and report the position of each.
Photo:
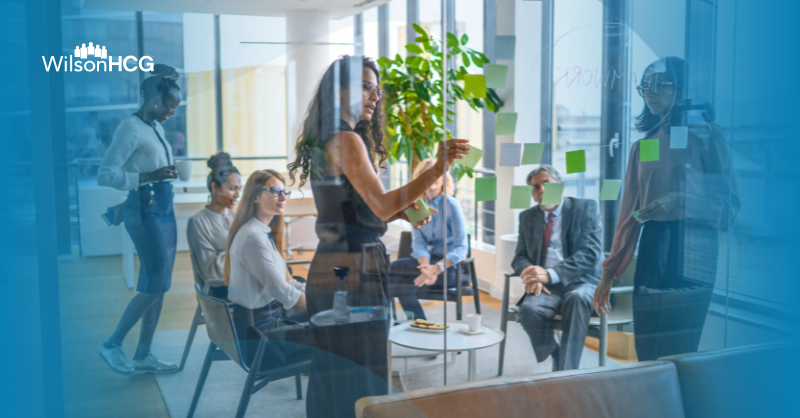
(559, 257)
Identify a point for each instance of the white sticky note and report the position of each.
(678, 137)
(511, 155)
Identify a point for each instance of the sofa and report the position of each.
(747, 381)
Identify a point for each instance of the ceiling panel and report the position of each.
(338, 8)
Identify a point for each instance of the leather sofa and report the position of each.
(734, 382)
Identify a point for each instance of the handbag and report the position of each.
(113, 215)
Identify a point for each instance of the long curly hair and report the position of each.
(322, 122)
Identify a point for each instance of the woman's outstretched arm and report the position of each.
(348, 153)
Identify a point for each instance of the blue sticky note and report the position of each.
(504, 47)
(678, 137)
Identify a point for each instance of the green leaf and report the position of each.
(451, 38)
(465, 59)
(419, 30)
(414, 49)
(464, 39)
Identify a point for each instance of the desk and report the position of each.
(405, 336)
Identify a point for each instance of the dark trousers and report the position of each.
(673, 285)
(574, 303)
(291, 347)
(401, 283)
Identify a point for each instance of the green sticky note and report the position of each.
(506, 124)
(610, 190)
(532, 153)
(495, 75)
(472, 157)
(485, 189)
(648, 150)
(474, 86)
(576, 161)
(552, 194)
(416, 215)
(521, 197)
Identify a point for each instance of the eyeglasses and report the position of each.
(370, 90)
(277, 191)
(654, 88)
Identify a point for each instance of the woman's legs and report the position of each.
(149, 323)
(137, 308)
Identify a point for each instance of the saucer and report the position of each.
(465, 330)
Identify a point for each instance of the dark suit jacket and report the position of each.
(581, 241)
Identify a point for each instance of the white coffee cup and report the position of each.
(474, 322)
(184, 169)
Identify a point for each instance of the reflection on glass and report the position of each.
(677, 197)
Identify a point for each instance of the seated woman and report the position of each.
(207, 230)
(255, 271)
(428, 262)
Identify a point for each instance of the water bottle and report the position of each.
(341, 310)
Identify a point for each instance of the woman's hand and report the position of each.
(602, 294)
(660, 206)
(163, 173)
(455, 149)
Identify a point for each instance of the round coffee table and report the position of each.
(406, 336)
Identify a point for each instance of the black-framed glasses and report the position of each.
(277, 191)
(654, 88)
(370, 90)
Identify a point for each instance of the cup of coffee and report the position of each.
(184, 169)
(474, 322)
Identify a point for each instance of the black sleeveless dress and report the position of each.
(349, 361)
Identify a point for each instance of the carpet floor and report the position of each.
(223, 387)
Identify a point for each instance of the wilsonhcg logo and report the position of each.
(73, 62)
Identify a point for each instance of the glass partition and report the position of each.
(576, 184)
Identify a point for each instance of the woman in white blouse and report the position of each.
(207, 230)
(255, 270)
(140, 161)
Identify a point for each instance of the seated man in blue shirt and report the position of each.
(559, 257)
(428, 263)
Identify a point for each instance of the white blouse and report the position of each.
(135, 149)
(207, 234)
(258, 271)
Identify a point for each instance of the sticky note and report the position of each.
(416, 215)
(648, 150)
(610, 190)
(506, 124)
(552, 194)
(474, 86)
(521, 197)
(495, 75)
(504, 47)
(472, 157)
(678, 137)
(510, 155)
(532, 153)
(485, 189)
(576, 161)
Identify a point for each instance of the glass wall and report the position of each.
(633, 162)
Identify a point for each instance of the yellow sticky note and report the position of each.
(474, 86)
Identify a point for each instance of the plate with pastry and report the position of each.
(427, 326)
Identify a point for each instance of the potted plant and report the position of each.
(413, 100)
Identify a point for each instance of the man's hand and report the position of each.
(535, 288)
(535, 274)
(428, 275)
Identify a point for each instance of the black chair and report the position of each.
(226, 346)
(620, 318)
(466, 278)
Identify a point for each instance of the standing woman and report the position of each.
(339, 151)
(139, 160)
(677, 202)
(207, 230)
